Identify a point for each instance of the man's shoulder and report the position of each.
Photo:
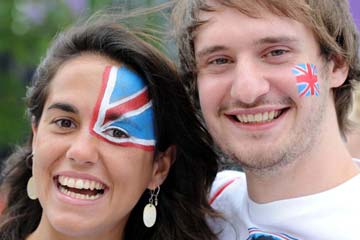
(227, 183)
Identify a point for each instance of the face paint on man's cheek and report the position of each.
(123, 114)
(306, 79)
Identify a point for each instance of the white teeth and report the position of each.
(71, 182)
(259, 117)
(271, 115)
(98, 186)
(86, 184)
(80, 183)
(265, 116)
(92, 185)
(79, 195)
(244, 117)
(251, 117)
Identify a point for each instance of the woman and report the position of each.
(116, 151)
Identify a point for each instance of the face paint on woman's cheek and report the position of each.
(123, 114)
(306, 79)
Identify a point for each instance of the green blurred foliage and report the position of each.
(26, 29)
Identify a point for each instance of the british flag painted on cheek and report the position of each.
(306, 79)
(123, 114)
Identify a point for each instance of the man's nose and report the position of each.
(248, 83)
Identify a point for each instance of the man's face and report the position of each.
(251, 93)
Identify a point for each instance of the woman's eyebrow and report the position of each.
(66, 107)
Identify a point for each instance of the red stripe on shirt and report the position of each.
(220, 190)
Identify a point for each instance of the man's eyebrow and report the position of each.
(64, 107)
(209, 50)
(272, 40)
(265, 40)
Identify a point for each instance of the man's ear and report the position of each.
(161, 167)
(338, 71)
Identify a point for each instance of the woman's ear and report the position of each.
(34, 132)
(338, 71)
(161, 167)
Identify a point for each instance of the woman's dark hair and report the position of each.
(183, 202)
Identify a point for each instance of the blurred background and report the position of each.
(26, 29)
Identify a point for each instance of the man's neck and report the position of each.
(325, 167)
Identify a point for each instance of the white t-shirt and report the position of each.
(329, 215)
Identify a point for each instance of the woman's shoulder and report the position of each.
(226, 180)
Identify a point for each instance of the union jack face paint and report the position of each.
(123, 114)
(306, 79)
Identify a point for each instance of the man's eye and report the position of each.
(64, 123)
(219, 61)
(116, 133)
(276, 52)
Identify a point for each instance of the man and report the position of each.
(274, 81)
(353, 137)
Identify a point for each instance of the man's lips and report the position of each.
(257, 117)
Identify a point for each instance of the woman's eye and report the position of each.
(116, 133)
(64, 123)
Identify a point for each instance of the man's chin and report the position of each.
(260, 162)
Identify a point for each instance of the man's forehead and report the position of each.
(215, 8)
(218, 32)
(220, 11)
(258, 8)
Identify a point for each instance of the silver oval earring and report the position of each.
(149, 214)
(31, 187)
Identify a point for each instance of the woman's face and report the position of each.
(93, 153)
